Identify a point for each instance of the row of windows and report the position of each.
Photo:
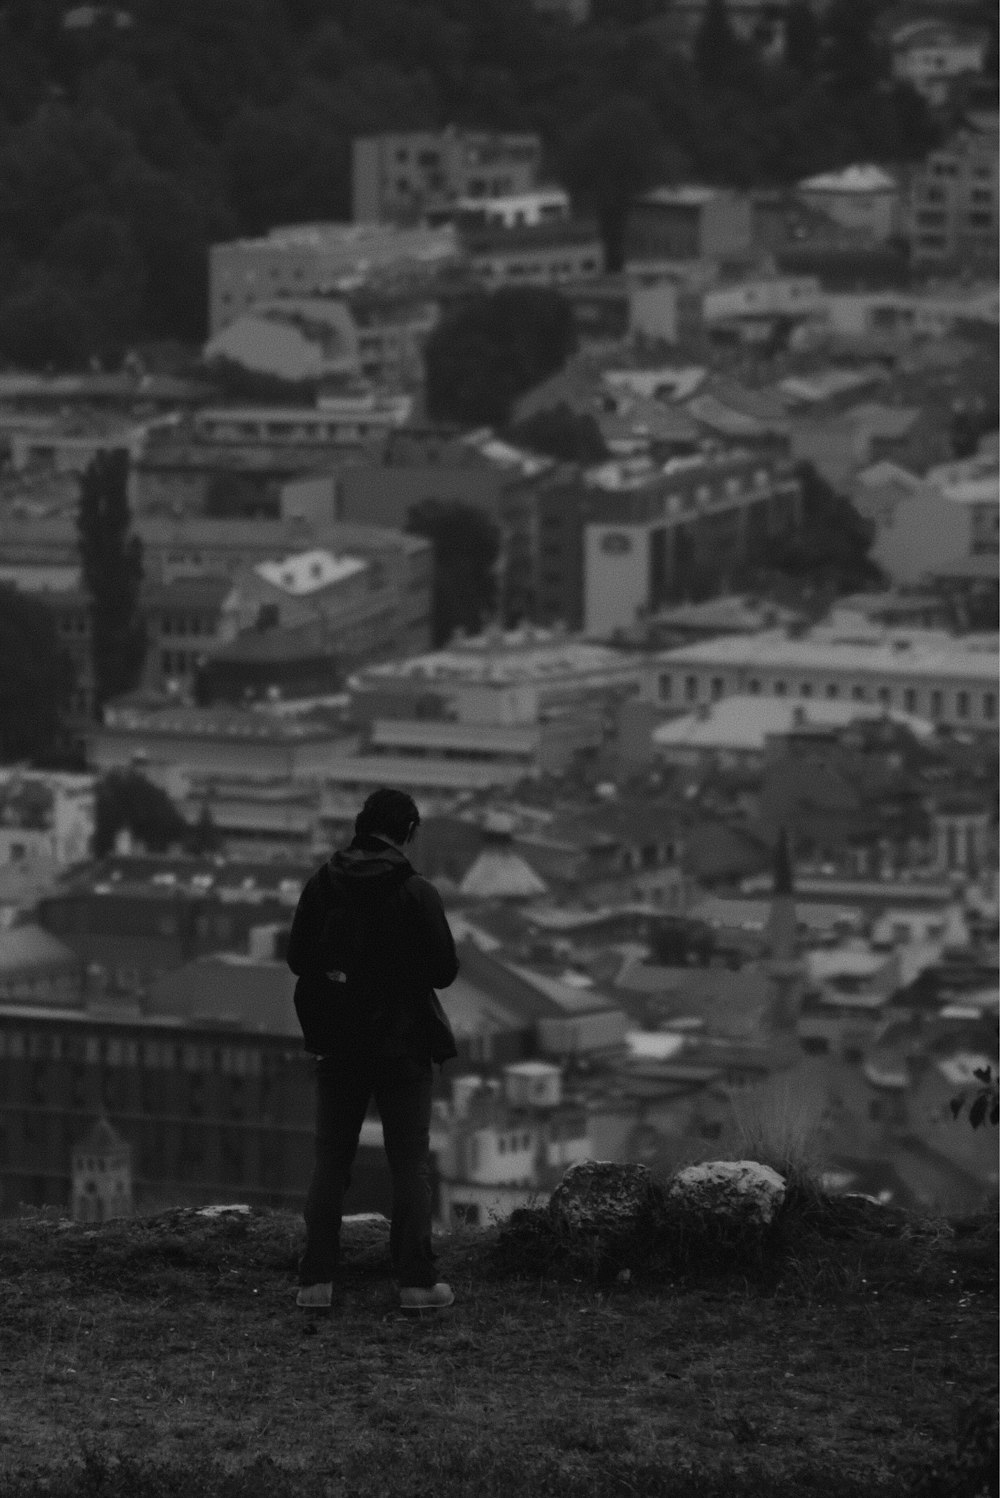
(187, 624)
(910, 699)
(93, 1050)
(519, 270)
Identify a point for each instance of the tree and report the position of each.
(570, 436)
(802, 37)
(493, 348)
(717, 49)
(830, 549)
(855, 60)
(111, 562)
(466, 550)
(613, 154)
(124, 799)
(35, 679)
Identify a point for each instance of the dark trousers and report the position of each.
(402, 1091)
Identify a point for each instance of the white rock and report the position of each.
(742, 1189)
(239, 1207)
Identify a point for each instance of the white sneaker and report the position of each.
(427, 1298)
(315, 1297)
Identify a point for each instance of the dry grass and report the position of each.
(165, 1357)
(780, 1123)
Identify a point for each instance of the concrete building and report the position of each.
(947, 680)
(545, 254)
(734, 732)
(403, 177)
(335, 421)
(499, 678)
(926, 527)
(951, 207)
(862, 199)
(653, 534)
(183, 748)
(320, 260)
(690, 223)
(931, 53)
(45, 815)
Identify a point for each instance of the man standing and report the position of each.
(370, 943)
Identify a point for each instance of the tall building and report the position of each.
(400, 177)
(952, 208)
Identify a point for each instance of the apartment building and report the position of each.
(952, 203)
(930, 54)
(404, 176)
(690, 223)
(543, 254)
(652, 534)
(320, 260)
(945, 679)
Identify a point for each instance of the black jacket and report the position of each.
(380, 930)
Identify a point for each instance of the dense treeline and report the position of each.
(126, 149)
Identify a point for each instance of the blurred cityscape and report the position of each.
(686, 646)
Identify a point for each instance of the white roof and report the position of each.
(309, 571)
(501, 874)
(859, 179)
(512, 658)
(743, 722)
(901, 654)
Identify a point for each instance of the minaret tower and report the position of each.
(782, 961)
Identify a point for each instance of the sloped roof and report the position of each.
(229, 989)
(23, 948)
(500, 873)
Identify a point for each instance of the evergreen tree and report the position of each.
(35, 679)
(802, 37)
(466, 551)
(126, 799)
(717, 48)
(111, 560)
(612, 155)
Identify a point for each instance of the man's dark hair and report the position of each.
(392, 813)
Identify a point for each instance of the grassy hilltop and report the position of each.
(836, 1356)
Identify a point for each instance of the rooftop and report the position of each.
(503, 658)
(859, 179)
(744, 722)
(309, 571)
(902, 653)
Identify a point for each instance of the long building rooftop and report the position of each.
(902, 654)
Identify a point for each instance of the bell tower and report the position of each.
(102, 1175)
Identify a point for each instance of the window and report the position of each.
(832, 690)
(937, 704)
(780, 688)
(989, 705)
(910, 699)
(717, 686)
(884, 696)
(666, 686)
(962, 704)
(754, 685)
(857, 694)
(805, 690)
(691, 688)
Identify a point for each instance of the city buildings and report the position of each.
(932, 52)
(862, 199)
(650, 531)
(319, 260)
(952, 203)
(946, 679)
(403, 177)
(690, 224)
